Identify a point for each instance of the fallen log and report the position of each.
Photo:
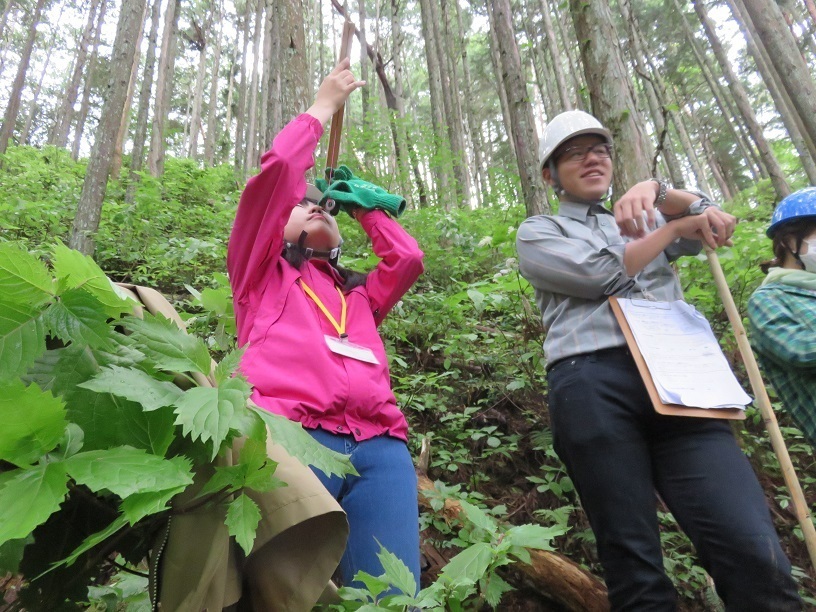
(553, 575)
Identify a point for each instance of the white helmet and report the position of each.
(565, 126)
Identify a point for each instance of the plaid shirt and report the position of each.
(783, 326)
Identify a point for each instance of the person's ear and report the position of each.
(547, 176)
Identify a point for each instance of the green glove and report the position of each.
(349, 191)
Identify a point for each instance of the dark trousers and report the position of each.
(618, 451)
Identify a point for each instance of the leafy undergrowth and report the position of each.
(465, 351)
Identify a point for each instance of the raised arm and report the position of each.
(256, 240)
(400, 261)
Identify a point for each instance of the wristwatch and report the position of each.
(698, 207)
(663, 189)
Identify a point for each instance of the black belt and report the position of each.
(615, 351)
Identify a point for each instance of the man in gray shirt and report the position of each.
(616, 448)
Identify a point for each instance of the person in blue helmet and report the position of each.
(782, 311)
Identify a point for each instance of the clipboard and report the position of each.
(659, 406)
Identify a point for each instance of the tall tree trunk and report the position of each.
(473, 127)
(364, 92)
(266, 70)
(555, 56)
(212, 125)
(295, 84)
(118, 150)
(658, 110)
(252, 117)
(805, 147)
(89, 210)
(720, 98)
(542, 69)
(34, 105)
(613, 100)
(13, 108)
(501, 87)
(198, 92)
(569, 44)
(4, 17)
(90, 76)
(767, 156)
(164, 87)
(407, 153)
(274, 112)
(457, 128)
(65, 114)
(440, 167)
(521, 111)
(243, 92)
(140, 135)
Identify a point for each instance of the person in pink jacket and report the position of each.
(313, 353)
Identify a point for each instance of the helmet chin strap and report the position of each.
(308, 252)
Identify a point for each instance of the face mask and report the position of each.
(809, 259)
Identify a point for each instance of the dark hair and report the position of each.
(351, 278)
(798, 229)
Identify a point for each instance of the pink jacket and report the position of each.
(291, 368)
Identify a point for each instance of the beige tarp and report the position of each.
(299, 542)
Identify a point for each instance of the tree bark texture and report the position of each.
(164, 87)
(612, 97)
(89, 81)
(767, 156)
(521, 112)
(13, 108)
(89, 209)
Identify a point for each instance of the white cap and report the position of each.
(565, 126)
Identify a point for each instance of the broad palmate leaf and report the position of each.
(22, 338)
(206, 413)
(80, 318)
(77, 271)
(243, 517)
(24, 279)
(29, 497)
(33, 422)
(169, 347)
(126, 471)
(135, 385)
(298, 443)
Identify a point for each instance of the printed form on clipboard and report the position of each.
(683, 356)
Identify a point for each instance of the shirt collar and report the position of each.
(580, 212)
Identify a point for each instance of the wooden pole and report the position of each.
(336, 129)
(800, 507)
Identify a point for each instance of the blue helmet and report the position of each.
(798, 205)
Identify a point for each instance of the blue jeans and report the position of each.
(618, 451)
(381, 503)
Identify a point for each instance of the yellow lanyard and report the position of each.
(340, 327)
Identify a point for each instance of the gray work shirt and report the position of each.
(574, 261)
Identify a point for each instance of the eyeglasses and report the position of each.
(578, 154)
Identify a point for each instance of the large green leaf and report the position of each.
(75, 270)
(135, 385)
(22, 338)
(24, 279)
(29, 498)
(167, 346)
(298, 443)
(242, 521)
(206, 413)
(397, 572)
(111, 421)
(33, 422)
(479, 518)
(469, 565)
(228, 365)
(80, 318)
(534, 536)
(140, 505)
(126, 471)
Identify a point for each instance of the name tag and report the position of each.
(342, 346)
